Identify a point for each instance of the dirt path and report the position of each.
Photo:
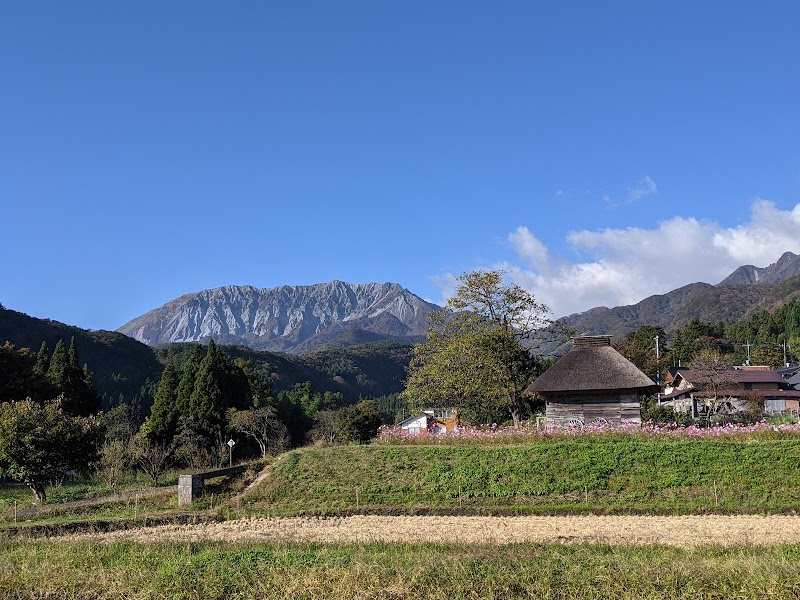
(685, 531)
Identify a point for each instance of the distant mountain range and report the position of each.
(745, 291)
(319, 324)
(299, 319)
(292, 319)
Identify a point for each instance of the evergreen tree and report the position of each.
(18, 379)
(639, 347)
(297, 408)
(88, 380)
(164, 415)
(72, 354)
(188, 375)
(260, 388)
(66, 374)
(57, 371)
(207, 403)
(42, 360)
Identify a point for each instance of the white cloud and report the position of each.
(624, 266)
(644, 187)
(531, 249)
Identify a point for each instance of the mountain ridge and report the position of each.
(747, 290)
(286, 318)
(786, 267)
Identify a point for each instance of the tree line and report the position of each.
(51, 420)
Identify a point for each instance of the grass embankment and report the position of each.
(591, 474)
(132, 503)
(333, 571)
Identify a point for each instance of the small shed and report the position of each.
(593, 383)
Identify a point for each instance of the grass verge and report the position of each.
(333, 571)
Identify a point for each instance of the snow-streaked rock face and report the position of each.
(786, 267)
(283, 318)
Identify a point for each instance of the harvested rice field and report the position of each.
(675, 531)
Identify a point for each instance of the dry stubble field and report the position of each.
(676, 531)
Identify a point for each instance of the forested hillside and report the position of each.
(127, 371)
(373, 369)
(694, 302)
(124, 370)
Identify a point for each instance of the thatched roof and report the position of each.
(592, 366)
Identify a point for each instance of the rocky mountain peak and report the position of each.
(286, 318)
(787, 266)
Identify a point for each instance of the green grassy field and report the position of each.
(131, 511)
(78, 488)
(330, 571)
(593, 474)
(610, 474)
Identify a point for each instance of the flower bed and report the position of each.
(530, 433)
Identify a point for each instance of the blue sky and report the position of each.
(598, 152)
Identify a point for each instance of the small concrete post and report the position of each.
(190, 487)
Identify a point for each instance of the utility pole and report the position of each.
(785, 364)
(747, 345)
(658, 370)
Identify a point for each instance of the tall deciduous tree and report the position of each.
(474, 357)
(712, 374)
(262, 425)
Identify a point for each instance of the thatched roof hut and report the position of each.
(592, 383)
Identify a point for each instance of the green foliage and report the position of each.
(188, 377)
(77, 387)
(603, 473)
(658, 413)
(393, 408)
(473, 359)
(639, 347)
(781, 420)
(164, 414)
(212, 396)
(39, 443)
(260, 386)
(120, 365)
(358, 423)
(367, 370)
(768, 331)
(296, 409)
(18, 379)
(42, 360)
(333, 571)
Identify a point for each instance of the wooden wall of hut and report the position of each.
(616, 409)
